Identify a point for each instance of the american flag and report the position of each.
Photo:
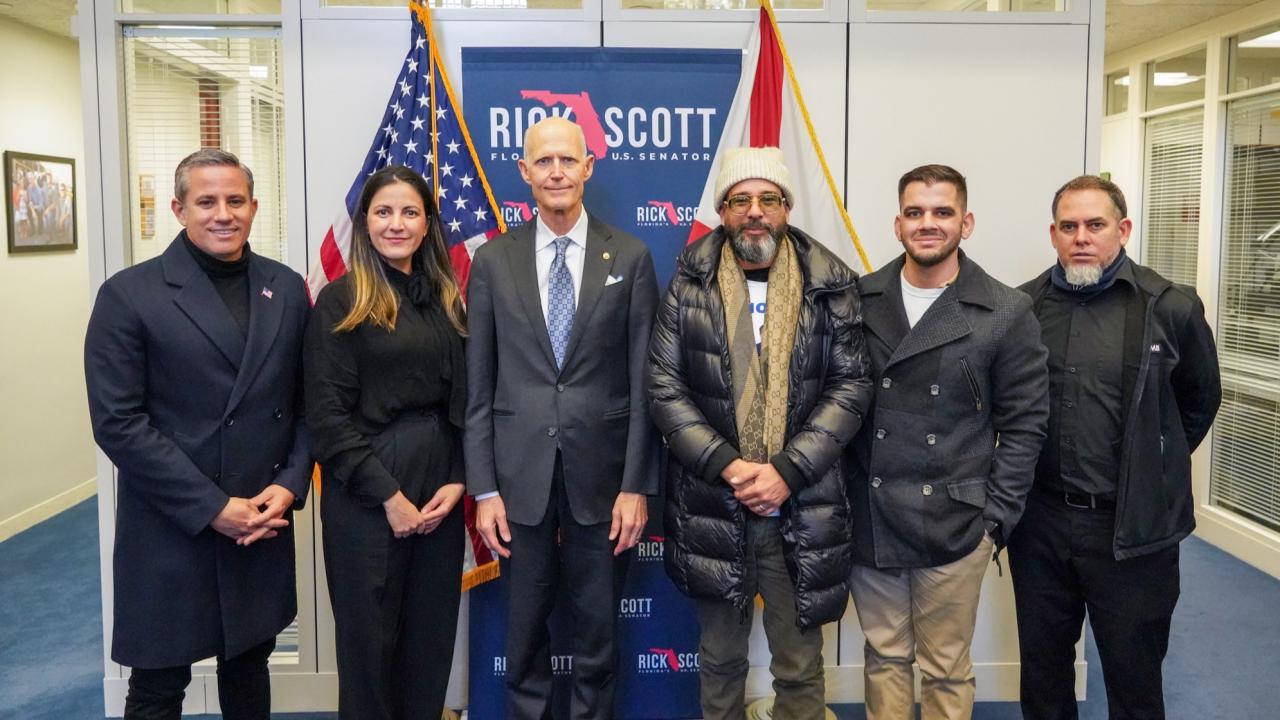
(423, 129)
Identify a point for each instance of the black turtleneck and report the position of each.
(229, 277)
(360, 381)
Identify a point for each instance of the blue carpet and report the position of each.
(1222, 654)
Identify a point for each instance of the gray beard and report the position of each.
(752, 252)
(1083, 275)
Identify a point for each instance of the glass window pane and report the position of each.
(719, 4)
(1117, 92)
(202, 7)
(188, 88)
(1244, 475)
(463, 4)
(1176, 80)
(970, 5)
(1255, 59)
(1171, 227)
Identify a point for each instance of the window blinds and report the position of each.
(191, 87)
(1245, 469)
(1171, 194)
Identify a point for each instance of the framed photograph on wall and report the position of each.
(40, 202)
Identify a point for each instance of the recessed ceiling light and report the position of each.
(1270, 40)
(1164, 79)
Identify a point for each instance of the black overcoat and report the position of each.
(192, 412)
(927, 471)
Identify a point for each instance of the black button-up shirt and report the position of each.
(1085, 337)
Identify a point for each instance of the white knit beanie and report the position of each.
(748, 163)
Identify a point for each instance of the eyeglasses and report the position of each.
(769, 203)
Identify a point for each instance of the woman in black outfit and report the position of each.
(385, 393)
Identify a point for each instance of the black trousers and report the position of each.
(395, 600)
(559, 550)
(244, 688)
(1063, 565)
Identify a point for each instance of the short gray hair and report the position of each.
(206, 157)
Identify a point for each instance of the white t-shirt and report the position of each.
(758, 290)
(917, 300)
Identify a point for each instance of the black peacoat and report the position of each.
(192, 412)
(927, 472)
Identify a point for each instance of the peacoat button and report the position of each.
(231, 421)
(277, 414)
(885, 383)
(880, 433)
(934, 389)
(931, 439)
(551, 432)
(927, 489)
(875, 482)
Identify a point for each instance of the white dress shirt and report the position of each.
(575, 255)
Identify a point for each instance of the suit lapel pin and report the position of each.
(606, 256)
(266, 293)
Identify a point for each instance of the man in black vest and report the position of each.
(1134, 387)
(193, 366)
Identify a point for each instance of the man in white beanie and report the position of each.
(757, 381)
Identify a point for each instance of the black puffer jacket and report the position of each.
(691, 399)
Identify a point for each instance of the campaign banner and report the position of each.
(652, 119)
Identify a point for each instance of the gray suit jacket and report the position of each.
(520, 408)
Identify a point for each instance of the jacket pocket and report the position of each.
(969, 492)
(973, 383)
(617, 413)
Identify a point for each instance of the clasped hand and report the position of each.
(758, 486)
(248, 520)
(406, 519)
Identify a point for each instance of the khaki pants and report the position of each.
(923, 615)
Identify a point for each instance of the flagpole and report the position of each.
(466, 135)
(424, 16)
(813, 136)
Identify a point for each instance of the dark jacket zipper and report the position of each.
(973, 384)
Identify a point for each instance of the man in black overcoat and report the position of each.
(193, 367)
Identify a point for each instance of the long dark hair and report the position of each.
(372, 297)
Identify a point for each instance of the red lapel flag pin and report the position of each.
(266, 293)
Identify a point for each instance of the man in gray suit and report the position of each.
(957, 363)
(558, 440)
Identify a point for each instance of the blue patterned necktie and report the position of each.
(560, 302)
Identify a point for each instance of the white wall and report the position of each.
(46, 450)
